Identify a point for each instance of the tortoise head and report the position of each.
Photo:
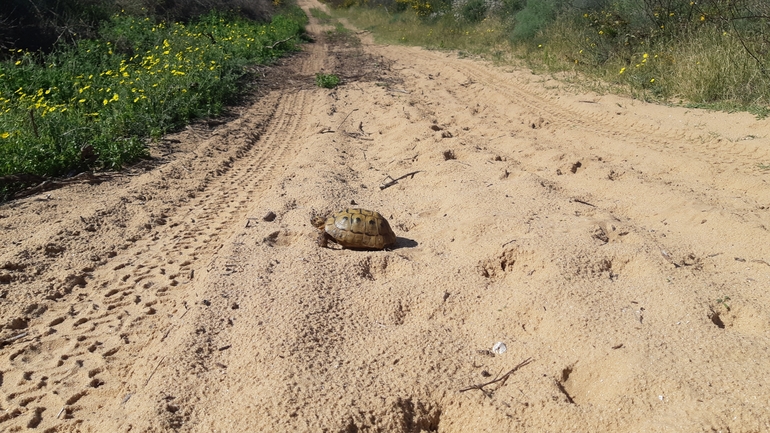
(318, 221)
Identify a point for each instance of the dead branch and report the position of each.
(361, 129)
(346, 118)
(154, 370)
(360, 134)
(357, 136)
(392, 181)
(171, 328)
(49, 184)
(502, 379)
(278, 42)
(20, 178)
(583, 202)
(34, 124)
(12, 339)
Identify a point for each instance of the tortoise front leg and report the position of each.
(323, 240)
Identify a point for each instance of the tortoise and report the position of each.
(355, 228)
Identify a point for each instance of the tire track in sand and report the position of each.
(556, 136)
(610, 128)
(191, 353)
(84, 351)
(609, 124)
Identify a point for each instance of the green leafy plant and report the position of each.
(327, 81)
(723, 301)
(535, 16)
(94, 105)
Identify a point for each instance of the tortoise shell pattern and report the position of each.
(360, 228)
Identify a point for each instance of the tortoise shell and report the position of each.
(356, 228)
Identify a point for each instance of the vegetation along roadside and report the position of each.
(708, 53)
(93, 104)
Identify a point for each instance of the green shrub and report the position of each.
(327, 81)
(474, 10)
(509, 8)
(535, 16)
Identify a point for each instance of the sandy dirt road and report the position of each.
(621, 249)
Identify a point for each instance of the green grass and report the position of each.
(322, 16)
(486, 36)
(94, 105)
(706, 65)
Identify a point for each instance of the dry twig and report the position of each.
(360, 133)
(154, 370)
(12, 339)
(502, 379)
(46, 184)
(392, 181)
(583, 202)
(346, 118)
(511, 241)
(278, 42)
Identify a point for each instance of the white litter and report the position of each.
(499, 348)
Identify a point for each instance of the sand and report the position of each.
(618, 249)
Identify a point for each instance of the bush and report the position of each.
(38, 24)
(509, 8)
(185, 10)
(535, 16)
(327, 81)
(473, 10)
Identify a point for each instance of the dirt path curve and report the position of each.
(623, 247)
